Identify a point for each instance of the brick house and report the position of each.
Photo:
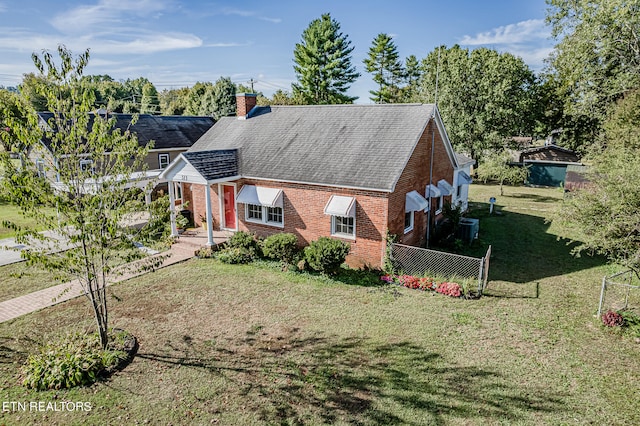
(350, 172)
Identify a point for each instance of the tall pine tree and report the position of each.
(384, 63)
(323, 64)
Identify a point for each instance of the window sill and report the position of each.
(345, 236)
(407, 230)
(259, 222)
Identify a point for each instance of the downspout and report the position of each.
(433, 143)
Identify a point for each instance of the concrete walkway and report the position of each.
(182, 250)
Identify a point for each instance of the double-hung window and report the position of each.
(163, 161)
(408, 221)
(262, 205)
(86, 165)
(254, 212)
(342, 210)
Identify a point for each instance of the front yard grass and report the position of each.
(11, 213)
(248, 344)
(18, 279)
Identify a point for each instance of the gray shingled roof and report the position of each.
(361, 146)
(214, 164)
(168, 131)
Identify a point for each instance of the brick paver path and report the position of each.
(32, 302)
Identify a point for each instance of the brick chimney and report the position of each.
(244, 103)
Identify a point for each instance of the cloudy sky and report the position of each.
(175, 43)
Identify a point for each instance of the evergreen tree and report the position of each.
(412, 73)
(323, 64)
(383, 62)
(223, 96)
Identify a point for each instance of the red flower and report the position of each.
(449, 289)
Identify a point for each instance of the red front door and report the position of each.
(229, 205)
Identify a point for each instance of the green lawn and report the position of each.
(19, 279)
(11, 213)
(244, 345)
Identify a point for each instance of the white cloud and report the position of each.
(124, 43)
(105, 13)
(250, 14)
(522, 32)
(530, 40)
(144, 43)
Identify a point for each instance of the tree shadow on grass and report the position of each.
(300, 380)
(523, 250)
(16, 349)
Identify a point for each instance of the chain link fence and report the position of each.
(620, 291)
(418, 261)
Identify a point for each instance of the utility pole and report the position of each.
(251, 83)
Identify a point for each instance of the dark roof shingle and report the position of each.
(167, 131)
(360, 146)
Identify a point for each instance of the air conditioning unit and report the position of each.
(468, 229)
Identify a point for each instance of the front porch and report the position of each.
(199, 238)
(202, 170)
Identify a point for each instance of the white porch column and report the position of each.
(207, 196)
(147, 197)
(172, 209)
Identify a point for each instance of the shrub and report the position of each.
(235, 255)
(74, 360)
(612, 319)
(326, 254)
(631, 322)
(283, 247)
(241, 247)
(243, 240)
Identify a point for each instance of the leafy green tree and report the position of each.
(89, 204)
(149, 103)
(323, 64)
(173, 101)
(597, 57)
(15, 115)
(282, 97)
(384, 63)
(28, 89)
(485, 97)
(604, 216)
(496, 167)
(199, 99)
